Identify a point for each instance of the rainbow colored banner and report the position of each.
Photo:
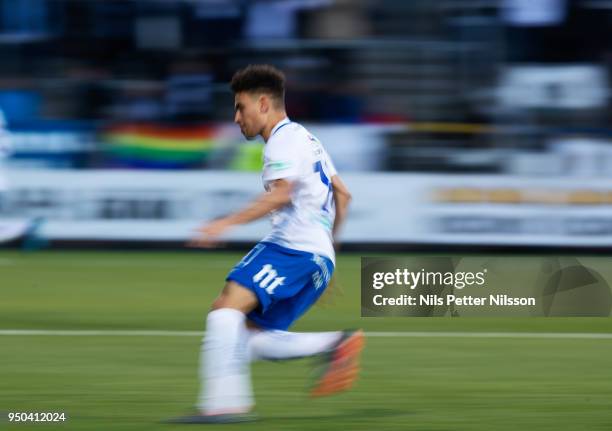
(158, 146)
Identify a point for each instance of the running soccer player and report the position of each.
(285, 273)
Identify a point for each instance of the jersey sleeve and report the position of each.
(281, 160)
(331, 168)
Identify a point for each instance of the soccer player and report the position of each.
(285, 273)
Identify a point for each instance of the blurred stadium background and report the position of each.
(459, 125)
(493, 117)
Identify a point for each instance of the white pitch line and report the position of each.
(156, 333)
(98, 333)
(130, 263)
(550, 335)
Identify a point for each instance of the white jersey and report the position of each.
(305, 224)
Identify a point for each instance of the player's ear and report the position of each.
(264, 104)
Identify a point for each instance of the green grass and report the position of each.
(131, 383)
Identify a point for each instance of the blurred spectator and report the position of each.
(343, 19)
(277, 18)
(139, 102)
(555, 31)
(87, 91)
(532, 26)
(189, 95)
(23, 17)
(214, 23)
(5, 147)
(19, 100)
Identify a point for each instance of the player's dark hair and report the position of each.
(260, 78)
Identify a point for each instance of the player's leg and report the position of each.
(224, 365)
(305, 278)
(339, 368)
(275, 345)
(237, 297)
(338, 354)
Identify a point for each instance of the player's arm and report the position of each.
(277, 197)
(342, 198)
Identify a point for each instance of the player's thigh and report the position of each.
(236, 296)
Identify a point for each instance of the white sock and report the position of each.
(274, 344)
(224, 368)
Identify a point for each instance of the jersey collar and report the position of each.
(280, 124)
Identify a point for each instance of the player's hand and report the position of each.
(207, 236)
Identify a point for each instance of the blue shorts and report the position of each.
(287, 282)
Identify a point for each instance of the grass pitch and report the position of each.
(408, 383)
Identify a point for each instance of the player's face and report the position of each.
(248, 114)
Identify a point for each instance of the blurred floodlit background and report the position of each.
(493, 116)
